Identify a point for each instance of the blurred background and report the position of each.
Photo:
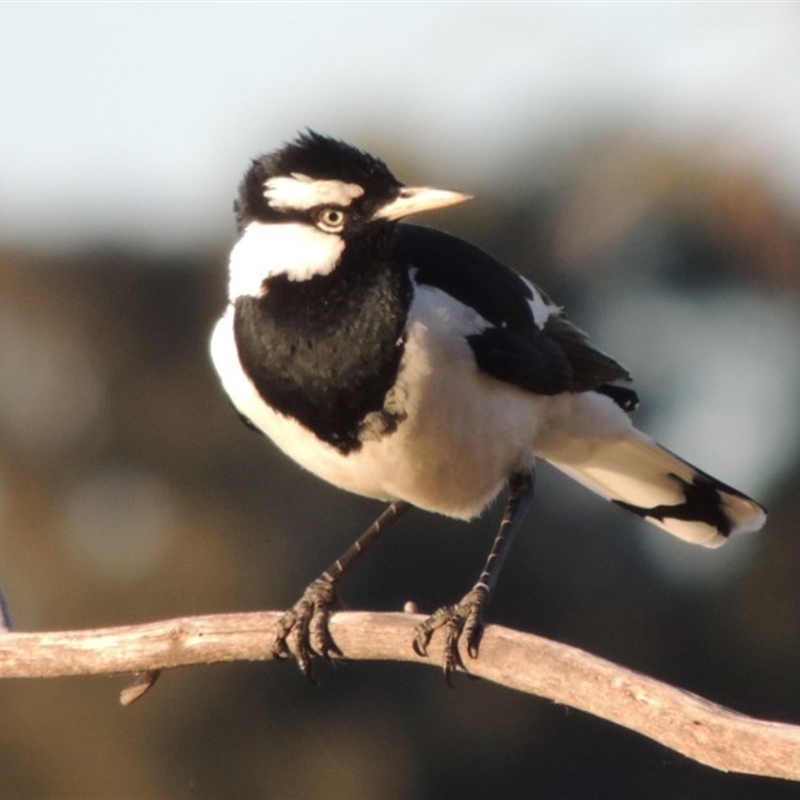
(641, 162)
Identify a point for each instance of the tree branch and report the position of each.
(697, 728)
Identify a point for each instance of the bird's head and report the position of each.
(300, 206)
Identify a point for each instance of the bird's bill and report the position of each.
(412, 200)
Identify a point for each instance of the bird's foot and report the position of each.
(463, 620)
(303, 630)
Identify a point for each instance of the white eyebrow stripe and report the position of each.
(301, 192)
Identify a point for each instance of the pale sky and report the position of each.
(136, 120)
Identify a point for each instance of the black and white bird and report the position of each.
(404, 364)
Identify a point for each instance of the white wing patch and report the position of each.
(298, 191)
(541, 308)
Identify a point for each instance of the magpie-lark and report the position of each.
(404, 364)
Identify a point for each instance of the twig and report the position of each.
(5, 614)
(144, 682)
(697, 728)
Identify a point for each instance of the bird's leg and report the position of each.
(465, 618)
(303, 629)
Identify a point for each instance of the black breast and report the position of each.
(326, 350)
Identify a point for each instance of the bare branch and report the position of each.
(697, 728)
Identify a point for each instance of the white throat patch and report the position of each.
(290, 248)
(301, 192)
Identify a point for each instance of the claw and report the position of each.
(303, 630)
(463, 620)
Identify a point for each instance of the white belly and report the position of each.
(463, 435)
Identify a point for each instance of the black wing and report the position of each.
(550, 359)
(465, 272)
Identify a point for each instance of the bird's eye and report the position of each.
(331, 220)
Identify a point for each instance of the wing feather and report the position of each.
(528, 340)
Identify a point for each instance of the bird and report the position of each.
(405, 364)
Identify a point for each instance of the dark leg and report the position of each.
(465, 618)
(305, 625)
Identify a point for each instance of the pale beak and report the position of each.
(412, 200)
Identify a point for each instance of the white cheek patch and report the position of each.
(291, 248)
(301, 192)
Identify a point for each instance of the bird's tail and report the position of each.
(636, 473)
